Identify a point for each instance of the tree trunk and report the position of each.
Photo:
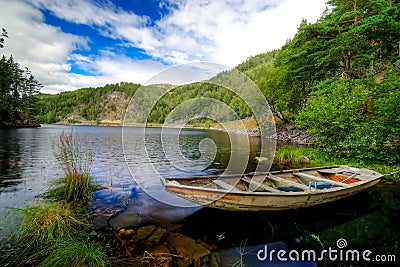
(355, 9)
(348, 61)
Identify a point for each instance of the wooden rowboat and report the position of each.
(275, 190)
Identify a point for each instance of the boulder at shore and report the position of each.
(19, 120)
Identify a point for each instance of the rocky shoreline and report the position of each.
(19, 120)
(286, 133)
(291, 134)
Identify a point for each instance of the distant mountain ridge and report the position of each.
(101, 105)
(106, 105)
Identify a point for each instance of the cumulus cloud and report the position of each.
(266, 30)
(36, 45)
(123, 68)
(50, 53)
(222, 31)
(227, 32)
(108, 19)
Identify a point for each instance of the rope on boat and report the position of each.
(393, 173)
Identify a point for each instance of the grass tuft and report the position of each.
(51, 234)
(76, 162)
(73, 252)
(288, 155)
(45, 222)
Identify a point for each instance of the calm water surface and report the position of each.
(27, 165)
(370, 220)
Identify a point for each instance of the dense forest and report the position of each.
(338, 78)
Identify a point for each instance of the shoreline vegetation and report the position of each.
(57, 230)
(19, 120)
(54, 231)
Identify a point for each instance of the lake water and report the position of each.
(370, 220)
(27, 165)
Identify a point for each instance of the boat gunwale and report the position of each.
(167, 184)
(267, 193)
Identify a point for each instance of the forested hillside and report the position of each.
(338, 78)
(87, 104)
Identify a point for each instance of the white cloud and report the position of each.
(122, 68)
(48, 52)
(107, 68)
(108, 19)
(221, 31)
(36, 45)
(227, 32)
(267, 30)
(87, 12)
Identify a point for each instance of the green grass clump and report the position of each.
(288, 155)
(45, 222)
(77, 191)
(73, 252)
(51, 233)
(76, 162)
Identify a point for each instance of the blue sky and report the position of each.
(70, 44)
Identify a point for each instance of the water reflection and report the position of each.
(367, 221)
(9, 162)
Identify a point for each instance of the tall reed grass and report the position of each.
(76, 161)
(51, 235)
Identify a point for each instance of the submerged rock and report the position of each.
(125, 220)
(157, 235)
(303, 159)
(144, 232)
(188, 249)
(161, 256)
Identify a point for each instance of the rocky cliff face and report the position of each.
(19, 120)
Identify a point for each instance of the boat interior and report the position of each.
(311, 179)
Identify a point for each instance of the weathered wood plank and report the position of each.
(263, 186)
(319, 179)
(330, 171)
(282, 180)
(226, 186)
